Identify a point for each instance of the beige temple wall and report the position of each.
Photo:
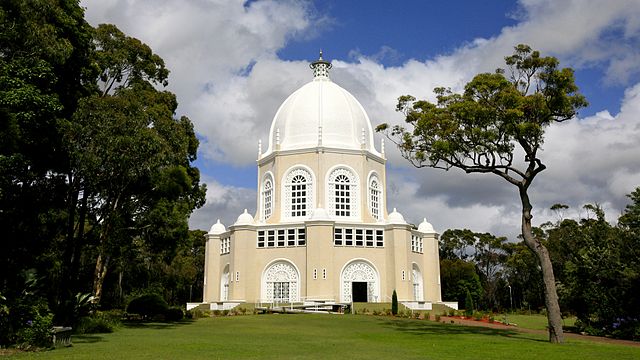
(321, 163)
(320, 253)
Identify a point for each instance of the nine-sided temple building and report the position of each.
(321, 231)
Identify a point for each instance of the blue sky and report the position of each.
(233, 63)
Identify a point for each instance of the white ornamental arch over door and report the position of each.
(359, 270)
(281, 282)
(418, 289)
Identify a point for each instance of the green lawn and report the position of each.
(324, 337)
(536, 321)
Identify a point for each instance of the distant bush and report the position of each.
(148, 306)
(394, 302)
(197, 313)
(468, 304)
(96, 324)
(174, 314)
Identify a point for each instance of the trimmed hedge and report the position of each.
(148, 306)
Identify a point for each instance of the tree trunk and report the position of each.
(98, 276)
(554, 317)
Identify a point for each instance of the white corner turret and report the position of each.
(425, 227)
(396, 218)
(217, 228)
(244, 219)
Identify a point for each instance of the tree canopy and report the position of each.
(96, 169)
(481, 130)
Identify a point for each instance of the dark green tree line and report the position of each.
(95, 167)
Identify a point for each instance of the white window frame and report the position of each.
(358, 236)
(281, 237)
(306, 203)
(267, 196)
(349, 197)
(374, 196)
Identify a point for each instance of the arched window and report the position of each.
(417, 283)
(267, 198)
(343, 193)
(298, 190)
(375, 197)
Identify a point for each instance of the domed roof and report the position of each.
(244, 219)
(396, 218)
(217, 228)
(425, 227)
(321, 113)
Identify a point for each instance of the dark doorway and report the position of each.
(359, 291)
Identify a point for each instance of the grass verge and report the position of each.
(312, 336)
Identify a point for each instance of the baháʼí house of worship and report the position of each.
(321, 231)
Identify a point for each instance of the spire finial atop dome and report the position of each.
(320, 68)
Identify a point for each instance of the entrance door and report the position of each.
(281, 291)
(359, 291)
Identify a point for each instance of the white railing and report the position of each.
(319, 301)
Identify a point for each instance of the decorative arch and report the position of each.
(224, 284)
(418, 287)
(280, 282)
(375, 196)
(359, 271)
(298, 188)
(343, 192)
(266, 196)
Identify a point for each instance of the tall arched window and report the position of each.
(343, 193)
(298, 190)
(375, 196)
(267, 198)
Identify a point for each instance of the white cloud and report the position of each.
(223, 202)
(230, 82)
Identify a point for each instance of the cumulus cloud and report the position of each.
(230, 82)
(223, 202)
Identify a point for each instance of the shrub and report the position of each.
(37, 332)
(148, 306)
(477, 315)
(197, 313)
(394, 303)
(468, 304)
(452, 312)
(438, 317)
(174, 314)
(95, 325)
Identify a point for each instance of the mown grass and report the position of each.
(534, 321)
(324, 337)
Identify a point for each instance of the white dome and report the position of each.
(244, 219)
(396, 218)
(321, 113)
(217, 228)
(425, 227)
